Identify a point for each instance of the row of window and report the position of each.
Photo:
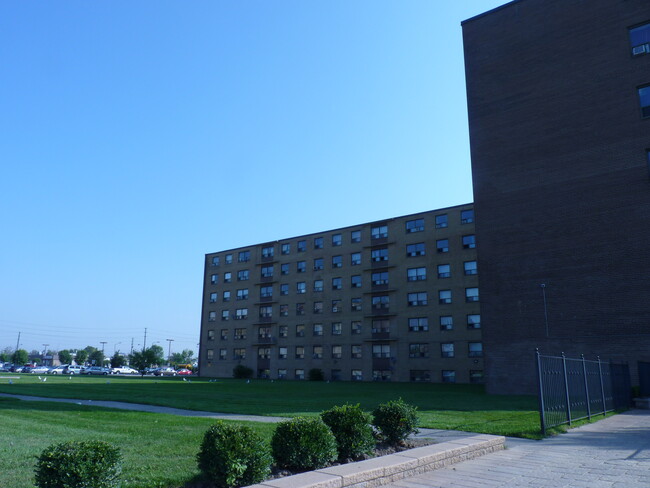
(415, 324)
(378, 351)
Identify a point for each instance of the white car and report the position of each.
(124, 370)
(40, 369)
(58, 369)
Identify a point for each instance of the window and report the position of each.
(355, 327)
(475, 376)
(380, 278)
(267, 271)
(240, 334)
(419, 375)
(381, 302)
(418, 324)
(318, 285)
(318, 264)
(337, 352)
(284, 269)
(471, 294)
(356, 351)
(284, 310)
(381, 350)
(301, 287)
(355, 236)
(317, 329)
(447, 350)
(300, 330)
(283, 352)
(226, 296)
(644, 99)
(473, 321)
(337, 328)
(227, 277)
(444, 297)
(475, 349)
(337, 283)
(300, 374)
(267, 252)
(416, 225)
(380, 326)
(470, 268)
(214, 279)
(210, 354)
(336, 240)
(244, 256)
(336, 375)
(215, 261)
(337, 261)
(264, 353)
(283, 331)
(640, 39)
(228, 259)
(223, 334)
(418, 350)
(441, 221)
(302, 246)
(336, 306)
(469, 242)
(318, 307)
(301, 266)
(241, 313)
(213, 297)
(355, 281)
(355, 304)
(413, 250)
(379, 232)
(442, 245)
(300, 309)
(416, 274)
(264, 332)
(448, 376)
(211, 334)
(300, 352)
(356, 375)
(378, 255)
(223, 354)
(212, 316)
(285, 249)
(266, 312)
(446, 322)
(418, 299)
(284, 289)
(225, 315)
(318, 243)
(242, 275)
(444, 271)
(282, 374)
(355, 258)
(243, 293)
(467, 216)
(317, 352)
(381, 375)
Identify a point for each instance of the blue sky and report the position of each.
(138, 136)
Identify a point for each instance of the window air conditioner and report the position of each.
(642, 49)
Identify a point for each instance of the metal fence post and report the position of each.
(602, 387)
(566, 390)
(542, 414)
(584, 373)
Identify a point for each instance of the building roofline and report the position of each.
(495, 9)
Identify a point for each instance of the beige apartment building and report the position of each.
(392, 300)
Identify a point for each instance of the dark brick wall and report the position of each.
(561, 183)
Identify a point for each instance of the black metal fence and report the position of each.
(644, 379)
(573, 389)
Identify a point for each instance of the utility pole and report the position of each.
(44, 351)
(18, 342)
(144, 344)
(131, 346)
(103, 343)
(169, 353)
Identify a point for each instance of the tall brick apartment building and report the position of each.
(394, 300)
(559, 115)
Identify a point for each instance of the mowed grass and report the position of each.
(441, 406)
(158, 450)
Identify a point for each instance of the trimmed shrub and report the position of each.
(351, 428)
(85, 464)
(233, 455)
(242, 372)
(396, 420)
(316, 374)
(302, 444)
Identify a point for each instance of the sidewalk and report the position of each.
(611, 453)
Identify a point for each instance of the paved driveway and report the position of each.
(612, 453)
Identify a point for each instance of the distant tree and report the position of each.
(5, 356)
(147, 358)
(96, 357)
(20, 357)
(65, 356)
(157, 354)
(90, 349)
(184, 357)
(81, 357)
(117, 360)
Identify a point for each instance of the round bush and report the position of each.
(242, 372)
(396, 420)
(233, 455)
(316, 374)
(302, 444)
(85, 464)
(351, 428)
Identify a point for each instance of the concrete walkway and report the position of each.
(611, 453)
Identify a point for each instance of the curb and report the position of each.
(393, 467)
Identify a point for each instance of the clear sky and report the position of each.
(135, 137)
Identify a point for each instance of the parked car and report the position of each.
(95, 370)
(183, 372)
(73, 369)
(165, 372)
(39, 369)
(124, 370)
(16, 369)
(58, 369)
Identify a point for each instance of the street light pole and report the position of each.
(103, 343)
(169, 353)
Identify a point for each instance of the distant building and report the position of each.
(392, 300)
